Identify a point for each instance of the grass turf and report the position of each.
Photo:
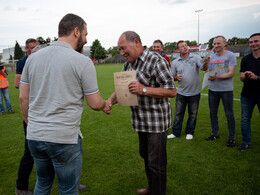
(111, 161)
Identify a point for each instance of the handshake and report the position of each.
(107, 107)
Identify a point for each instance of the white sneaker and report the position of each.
(189, 136)
(171, 136)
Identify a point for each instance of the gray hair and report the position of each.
(130, 36)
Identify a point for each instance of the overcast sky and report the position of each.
(168, 20)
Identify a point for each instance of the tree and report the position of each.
(18, 52)
(210, 43)
(170, 47)
(97, 51)
(113, 51)
(48, 40)
(100, 53)
(191, 43)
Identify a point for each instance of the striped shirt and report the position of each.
(153, 115)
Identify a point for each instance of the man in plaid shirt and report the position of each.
(154, 86)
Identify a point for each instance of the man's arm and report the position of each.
(96, 102)
(24, 100)
(3, 73)
(158, 92)
(248, 75)
(17, 80)
(228, 75)
(243, 77)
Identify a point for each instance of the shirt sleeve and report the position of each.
(198, 63)
(233, 60)
(173, 69)
(163, 75)
(25, 75)
(243, 65)
(89, 79)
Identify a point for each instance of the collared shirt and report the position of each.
(190, 70)
(153, 115)
(59, 77)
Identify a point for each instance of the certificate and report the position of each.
(206, 79)
(123, 95)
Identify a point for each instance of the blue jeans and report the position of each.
(247, 108)
(63, 159)
(7, 100)
(227, 100)
(180, 107)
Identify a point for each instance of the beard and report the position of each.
(80, 45)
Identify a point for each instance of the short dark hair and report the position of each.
(255, 34)
(181, 41)
(68, 23)
(130, 36)
(30, 40)
(158, 41)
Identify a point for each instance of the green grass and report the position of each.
(111, 161)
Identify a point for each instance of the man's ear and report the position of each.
(76, 32)
(136, 41)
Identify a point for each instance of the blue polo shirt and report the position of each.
(20, 64)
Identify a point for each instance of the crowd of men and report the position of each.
(52, 113)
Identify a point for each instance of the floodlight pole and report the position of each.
(198, 11)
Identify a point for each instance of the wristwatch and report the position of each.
(144, 91)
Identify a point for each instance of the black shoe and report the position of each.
(211, 138)
(231, 143)
(243, 147)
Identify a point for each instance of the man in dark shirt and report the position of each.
(250, 96)
(26, 163)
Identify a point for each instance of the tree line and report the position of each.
(98, 52)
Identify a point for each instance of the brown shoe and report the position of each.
(143, 191)
(11, 111)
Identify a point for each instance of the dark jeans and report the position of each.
(181, 103)
(227, 100)
(152, 148)
(247, 108)
(26, 165)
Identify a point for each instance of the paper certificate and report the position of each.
(206, 79)
(122, 80)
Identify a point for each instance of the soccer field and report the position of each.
(111, 161)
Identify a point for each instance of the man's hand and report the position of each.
(136, 88)
(179, 77)
(250, 75)
(213, 77)
(205, 64)
(108, 107)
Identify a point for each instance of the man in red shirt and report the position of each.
(158, 47)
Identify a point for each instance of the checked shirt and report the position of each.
(153, 115)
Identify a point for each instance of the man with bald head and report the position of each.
(152, 118)
(223, 64)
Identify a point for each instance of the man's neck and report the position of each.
(184, 55)
(256, 54)
(220, 53)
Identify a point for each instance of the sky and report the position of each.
(167, 20)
